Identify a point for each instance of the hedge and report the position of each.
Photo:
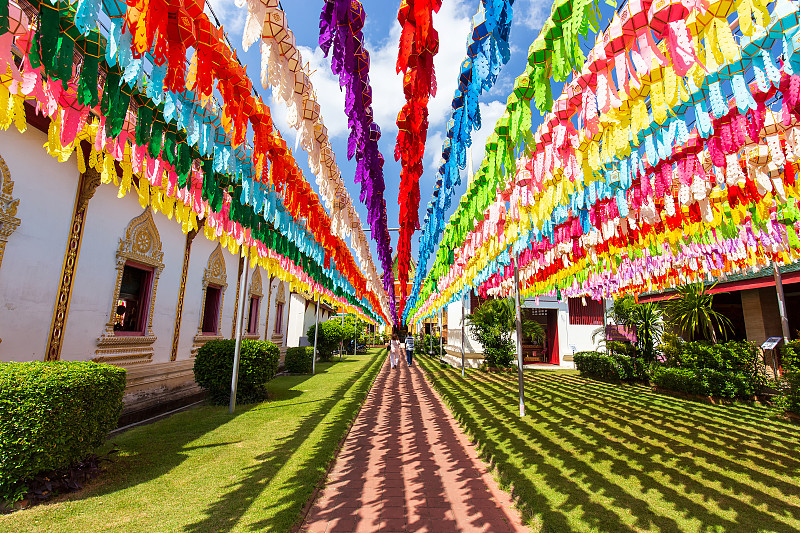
(790, 356)
(730, 356)
(422, 344)
(793, 392)
(605, 366)
(213, 369)
(53, 414)
(298, 360)
(706, 382)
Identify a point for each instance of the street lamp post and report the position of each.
(316, 333)
(519, 337)
(239, 325)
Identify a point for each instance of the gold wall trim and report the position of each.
(214, 274)
(8, 207)
(176, 332)
(87, 185)
(269, 297)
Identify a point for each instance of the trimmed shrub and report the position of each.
(706, 382)
(790, 356)
(731, 356)
(330, 335)
(613, 367)
(422, 344)
(53, 414)
(792, 393)
(213, 368)
(728, 370)
(298, 359)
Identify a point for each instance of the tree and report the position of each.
(350, 328)
(692, 314)
(492, 324)
(647, 319)
(330, 335)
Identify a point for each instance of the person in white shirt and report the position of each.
(410, 349)
(394, 350)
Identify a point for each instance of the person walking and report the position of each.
(394, 350)
(410, 349)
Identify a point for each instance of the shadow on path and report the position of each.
(405, 466)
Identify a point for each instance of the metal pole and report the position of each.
(463, 319)
(519, 338)
(441, 330)
(316, 332)
(781, 301)
(239, 324)
(355, 338)
(782, 310)
(341, 343)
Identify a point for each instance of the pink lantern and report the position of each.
(18, 22)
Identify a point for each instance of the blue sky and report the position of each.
(382, 33)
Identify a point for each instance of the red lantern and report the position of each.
(635, 17)
(662, 12)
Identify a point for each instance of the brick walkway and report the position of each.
(407, 467)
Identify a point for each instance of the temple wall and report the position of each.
(30, 277)
(31, 268)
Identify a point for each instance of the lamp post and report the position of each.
(316, 333)
(355, 338)
(519, 337)
(441, 331)
(430, 341)
(239, 325)
(463, 319)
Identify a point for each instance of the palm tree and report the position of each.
(495, 320)
(646, 319)
(692, 313)
(503, 314)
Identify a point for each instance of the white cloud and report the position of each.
(490, 113)
(532, 13)
(231, 17)
(453, 24)
(433, 149)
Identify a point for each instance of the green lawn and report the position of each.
(205, 471)
(594, 456)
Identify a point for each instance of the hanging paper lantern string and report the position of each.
(341, 23)
(157, 139)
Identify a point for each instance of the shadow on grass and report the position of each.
(332, 415)
(141, 458)
(600, 457)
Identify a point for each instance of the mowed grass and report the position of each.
(204, 470)
(595, 456)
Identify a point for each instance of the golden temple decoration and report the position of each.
(87, 184)
(142, 244)
(176, 333)
(215, 274)
(8, 207)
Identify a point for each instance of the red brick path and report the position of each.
(407, 467)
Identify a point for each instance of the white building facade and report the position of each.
(88, 276)
(570, 326)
